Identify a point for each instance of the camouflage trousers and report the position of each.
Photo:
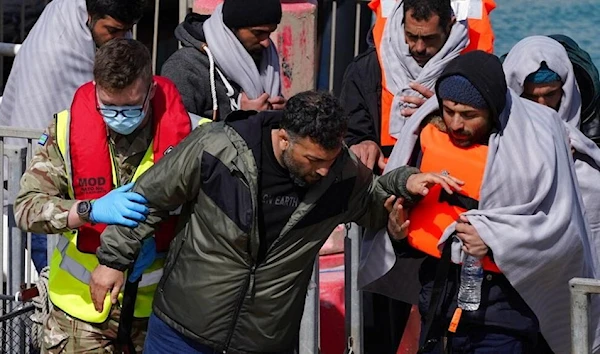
(64, 334)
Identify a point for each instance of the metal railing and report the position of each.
(9, 49)
(581, 290)
(15, 245)
(337, 19)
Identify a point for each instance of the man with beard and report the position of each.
(518, 212)
(116, 128)
(55, 60)
(386, 84)
(260, 193)
(382, 88)
(228, 61)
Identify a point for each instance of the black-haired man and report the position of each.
(228, 62)
(523, 220)
(261, 193)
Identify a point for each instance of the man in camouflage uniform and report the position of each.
(127, 105)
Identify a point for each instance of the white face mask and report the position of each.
(123, 120)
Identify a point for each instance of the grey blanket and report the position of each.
(400, 68)
(56, 58)
(530, 215)
(526, 57)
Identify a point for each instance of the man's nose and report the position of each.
(542, 100)
(323, 171)
(420, 46)
(456, 123)
(265, 43)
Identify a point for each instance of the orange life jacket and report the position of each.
(481, 37)
(432, 215)
(91, 158)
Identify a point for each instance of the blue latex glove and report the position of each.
(145, 258)
(120, 207)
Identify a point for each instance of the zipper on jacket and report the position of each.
(249, 285)
(251, 289)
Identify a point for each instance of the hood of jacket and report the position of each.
(586, 73)
(190, 32)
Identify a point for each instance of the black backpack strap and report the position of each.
(126, 319)
(433, 330)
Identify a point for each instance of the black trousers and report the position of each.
(385, 321)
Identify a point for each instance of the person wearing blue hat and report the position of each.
(518, 218)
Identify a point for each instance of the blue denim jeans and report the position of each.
(161, 338)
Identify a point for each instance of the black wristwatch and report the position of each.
(84, 210)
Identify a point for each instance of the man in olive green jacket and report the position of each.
(260, 195)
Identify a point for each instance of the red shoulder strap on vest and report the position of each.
(90, 159)
(171, 125)
(90, 154)
(171, 120)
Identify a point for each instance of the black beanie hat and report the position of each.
(459, 89)
(249, 13)
(484, 71)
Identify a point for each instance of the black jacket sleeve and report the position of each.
(361, 98)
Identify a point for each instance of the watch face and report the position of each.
(83, 208)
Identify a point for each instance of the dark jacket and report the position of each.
(588, 81)
(361, 96)
(188, 68)
(213, 290)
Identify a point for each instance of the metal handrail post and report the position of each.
(16, 248)
(155, 35)
(357, 28)
(353, 296)
(581, 288)
(9, 49)
(309, 327)
(1, 40)
(332, 44)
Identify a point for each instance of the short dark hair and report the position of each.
(422, 10)
(120, 62)
(125, 11)
(317, 115)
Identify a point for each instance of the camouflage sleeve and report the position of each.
(43, 203)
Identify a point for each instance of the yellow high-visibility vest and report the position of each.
(70, 270)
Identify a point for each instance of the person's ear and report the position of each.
(450, 24)
(283, 139)
(152, 91)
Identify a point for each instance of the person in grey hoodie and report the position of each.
(228, 62)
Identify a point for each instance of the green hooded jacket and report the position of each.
(213, 289)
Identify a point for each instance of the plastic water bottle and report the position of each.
(471, 277)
